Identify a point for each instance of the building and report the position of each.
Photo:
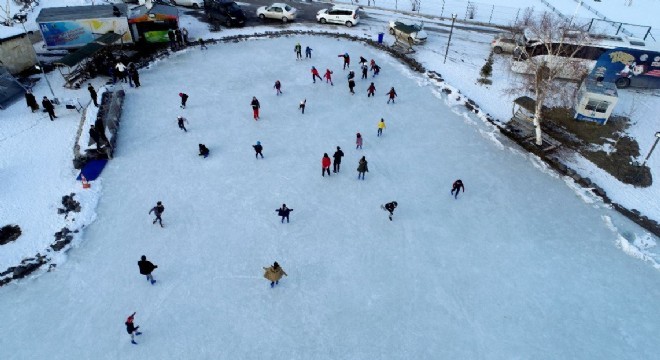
(16, 51)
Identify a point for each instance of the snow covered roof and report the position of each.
(80, 12)
(7, 32)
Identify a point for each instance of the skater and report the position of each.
(364, 71)
(347, 60)
(362, 168)
(181, 120)
(158, 210)
(376, 70)
(325, 164)
(255, 108)
(315, 74)
(390, 207)
(351, 86)
(203, 151)
(133, 75)
(337, 157)
(302, 105)
(202, 46)
(278, 87)
(358, 141)
(274, 274)
(371, 90)
(372, 63)
(328, 77)
(381, 126)
(132, 329)
(392, 95)
(363, 61)
(258, 148)
(184, 99)
(31, 101)
(48, 106)
(457, 186)
(121, 71)
(93, 94)
(94, 135)
(308, 52)
(146, 267)
(298, 50)
(284, 213)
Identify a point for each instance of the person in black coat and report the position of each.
(146, 268)
(172, 38)
(94, 135)
(337, 163)
(457, 186)
(134, 75)
(284, 213)
(158, 210)
(203, 151)
(390, 206)
(49, 108)
(93, 94)
(31, 101)
(184, 99)
(181, 122)
(258, 148)
(351, 85)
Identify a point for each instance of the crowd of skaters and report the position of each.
(275, 272)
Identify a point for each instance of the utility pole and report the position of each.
(22, 20)
(451, 31)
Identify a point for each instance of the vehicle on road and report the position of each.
(225, 11)
(506, 43)
(339, 14)
(408, 32)
(277, 11)
(195, 4)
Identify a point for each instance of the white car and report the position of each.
(339, 14)
(408, 32)
(195, 4)
(277, 11)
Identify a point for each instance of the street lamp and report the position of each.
(453, 19)
(22, 18)
(657, 138)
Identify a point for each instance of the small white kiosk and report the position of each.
(595, 101)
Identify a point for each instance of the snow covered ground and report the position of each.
(524, 264)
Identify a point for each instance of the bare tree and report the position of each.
(550, 55)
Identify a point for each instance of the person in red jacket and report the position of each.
(371, 90)
(325, 164)
(392, 95)
(328, 77)
(315, 74)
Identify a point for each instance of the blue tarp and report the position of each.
(92, 169)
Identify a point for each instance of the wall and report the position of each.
(17, 54)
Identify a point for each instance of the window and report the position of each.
(287, 7)
(597, 106)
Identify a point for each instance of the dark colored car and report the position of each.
(224, 11)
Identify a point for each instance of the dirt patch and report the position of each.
(608, 146)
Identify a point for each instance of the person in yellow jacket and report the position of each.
(381, 126)
(274, 274)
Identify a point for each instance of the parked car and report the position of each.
(195, 4)
(226, 11)
(339, 14)
(409, 32)
(277, 11)
(505, 43)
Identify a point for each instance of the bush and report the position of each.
(487, 71)
(9, 233)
